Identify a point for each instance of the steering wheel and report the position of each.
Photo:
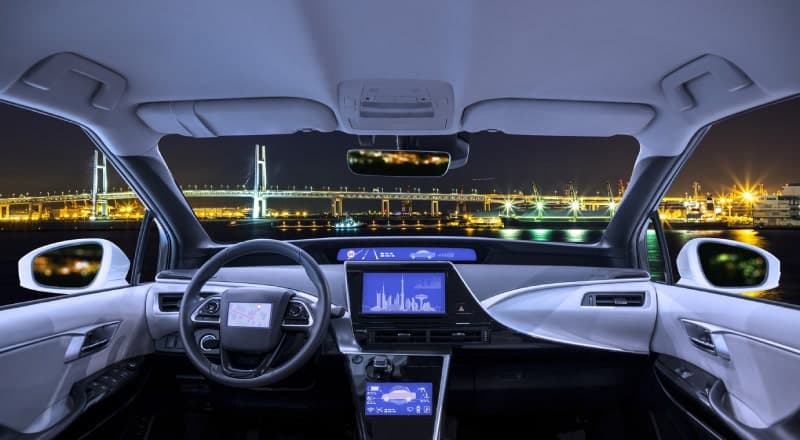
(253, 321)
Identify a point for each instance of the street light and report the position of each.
(508, 206)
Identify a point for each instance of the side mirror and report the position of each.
(727, 266)
(74, 266)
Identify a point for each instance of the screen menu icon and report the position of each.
(399, 399)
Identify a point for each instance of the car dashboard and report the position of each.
(401, 313)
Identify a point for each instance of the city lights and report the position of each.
(463, 206)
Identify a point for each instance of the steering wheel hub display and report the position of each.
(252, 315)
(245, 317)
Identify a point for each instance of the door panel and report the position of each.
(45, 348)
(752, 347)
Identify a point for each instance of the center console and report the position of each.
(406, 318)
(412, 305)
(398, 396)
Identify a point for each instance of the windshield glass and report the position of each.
(299, 186)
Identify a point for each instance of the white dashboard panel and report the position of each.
(555, 313)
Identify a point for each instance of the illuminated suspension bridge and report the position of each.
(100, 203)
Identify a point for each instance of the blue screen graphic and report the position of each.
(403, 293)
(399, 399)
(406, 254)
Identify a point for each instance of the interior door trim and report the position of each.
(80, 331)
(723, 330)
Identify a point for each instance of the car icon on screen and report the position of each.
(399, 395)
(422, 254)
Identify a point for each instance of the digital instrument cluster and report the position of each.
(461, 255)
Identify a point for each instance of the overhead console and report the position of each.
(399, 106)
(413, 304)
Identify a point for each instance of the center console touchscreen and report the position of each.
(403, 293)
(399, 399)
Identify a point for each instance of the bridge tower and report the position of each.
(337, 207)
(434, 206)
(260, 182)
(99, 186)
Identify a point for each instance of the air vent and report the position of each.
(399, 336)
(621, 299)
(436, 336)
(169, 302)
(459, 336)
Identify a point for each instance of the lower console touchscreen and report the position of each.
(399, 399)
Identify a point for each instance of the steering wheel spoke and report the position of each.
(299, 317)
(206, 313)
(266, 361)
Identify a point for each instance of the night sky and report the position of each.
(44, 154)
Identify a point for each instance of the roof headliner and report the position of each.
(583, 51)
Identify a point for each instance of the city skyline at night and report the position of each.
(57, 158)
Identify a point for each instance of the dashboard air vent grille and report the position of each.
(399, 336)
(621, 299)
(458, 336)
(471, 335)
(169, 302)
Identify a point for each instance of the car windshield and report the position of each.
(299, 186)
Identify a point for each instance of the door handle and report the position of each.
(88, 340)
(94, 345)
(707, 339)
(703, 344)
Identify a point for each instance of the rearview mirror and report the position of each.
(398, 163)
(74, 266)
(727, 266)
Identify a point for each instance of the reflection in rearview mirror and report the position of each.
(69, 266)
(398, 163)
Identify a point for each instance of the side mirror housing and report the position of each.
(74, 266)
(727, 266)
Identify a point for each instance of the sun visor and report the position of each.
(235, 117)
(556, 118)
